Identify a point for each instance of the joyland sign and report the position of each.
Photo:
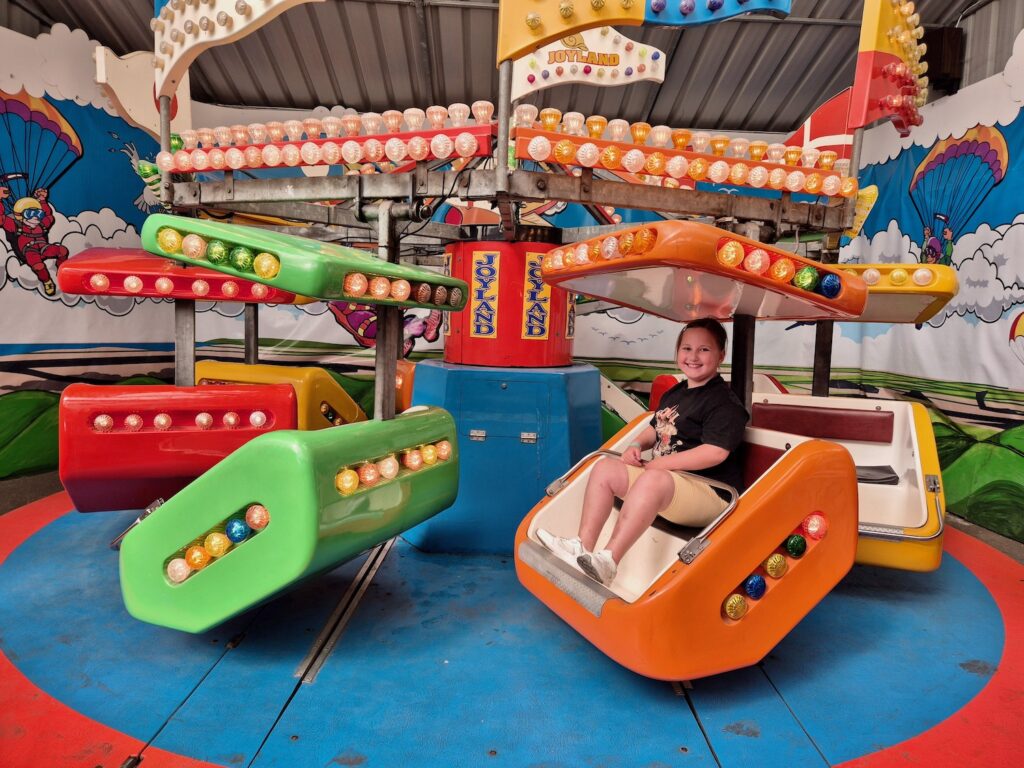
(595, 57)
(536, 299)
(484, 299)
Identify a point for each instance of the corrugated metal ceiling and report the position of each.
(751, 74)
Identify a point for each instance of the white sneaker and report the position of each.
(598, 565)
(566, 550)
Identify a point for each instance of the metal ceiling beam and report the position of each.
(423, 51)
(523, 185)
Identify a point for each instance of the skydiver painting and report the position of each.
(27, 229)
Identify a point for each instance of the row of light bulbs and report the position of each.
(720, 145)
(169, 32)
(332, 126)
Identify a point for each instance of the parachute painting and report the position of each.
(956, 176)
(1017, 337)
(37, 145)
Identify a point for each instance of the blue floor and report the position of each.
(449, 662)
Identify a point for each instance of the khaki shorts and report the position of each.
(693, 503)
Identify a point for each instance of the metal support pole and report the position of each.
(389, 322)
(504, 117)
(252, 334)
(743, 358)
(184, 310)
(823, 329)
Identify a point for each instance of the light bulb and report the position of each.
(526, 115)
(275, 130)
(257, 132)
(290, 155)
(776, 152)
(239, 135)
(436, 116)
(372, 123)
(351, 152)
(293, 130)
(189, 139)
(441, 146)
(596, 125)
(466, 144)
(414, 117)
(587, 155)
(661, 135)
(459, 114)
(217, 161)
(271, 155)
(392, 120)
(539, 148)
(310, 153)
(330, 153)
(313, 127)
(253, 156)
(618, 129)
(419, 148)
(550, 118)
(719, 143)
(482, 112)
(738, 147)
(396, 150)
(700, 140)
(572, 123)
(373, 150)
(332, 126)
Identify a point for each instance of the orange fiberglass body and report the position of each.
(677, 628)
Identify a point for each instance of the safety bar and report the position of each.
(890, 533)
(694, 546)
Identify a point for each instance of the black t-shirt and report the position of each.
(711, 414)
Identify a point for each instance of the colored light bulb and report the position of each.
(719, 144)
(698, 169)
(776, 566)
(103, 423)
(178, 570)
(414, 118)
(796, 545)
(162, 421)
(849, 187)
(644, 240)
(346, 481)
(830, 285)
(204, 420)
(380, 287)
(777, 178)
(258, 419)
(400, 290)
(611, 157)
(217, 544)
(565, 151)
(310, 153)
(587, 155)
(440, 295)
(757, 150)
(898, 276)
(231, 420)
(738, 173)
(132, 284)
(222, 134)
(392, 120)
(266, 265)
(99, 282)
(731, 253)
(782, 270)
(640, 131)
(241, 258)
(626, 243)
(755, 586)
(257, 517)
(792, 155)
(368, 474)
(444, 450)
(681, 138)
(429, 454)
(197, 558)
(229, 288)
(217, 252)
(815, 526)
(550, 118)
(419, 148)
(757, 261)
(596, 125)
(806, 278)
(827, 160)
(133, 422)
(253, 156)
(813, 183)
(655, 163)
(237, 530)
(412, 459)
(735, 607)
(355, 284)
(169, 240)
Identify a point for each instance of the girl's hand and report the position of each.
(631, 456)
